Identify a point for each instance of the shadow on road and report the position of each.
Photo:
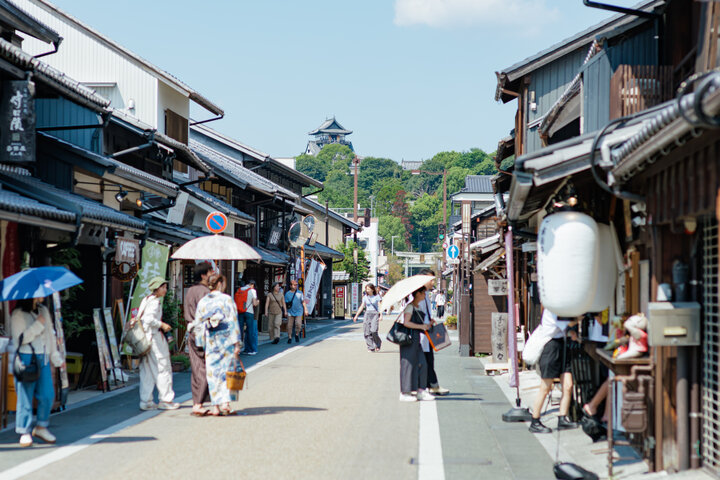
(274, 410)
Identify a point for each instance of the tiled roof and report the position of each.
(236, 170)
(50, 75)
(325, 128)
(411, 164)
(478, 184)
(224, 207)
(272, 257)
(13, 202)
(324, 251)
(92, 211)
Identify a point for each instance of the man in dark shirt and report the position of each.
(198, 379)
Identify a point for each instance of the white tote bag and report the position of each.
(535, 344)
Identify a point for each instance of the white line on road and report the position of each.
(430, 457)
(61, 453)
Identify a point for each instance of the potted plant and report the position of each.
(451, 322)
(172, 314)
(180, 362)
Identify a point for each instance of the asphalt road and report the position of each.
(323, 409)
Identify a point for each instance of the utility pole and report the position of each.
(355, 190)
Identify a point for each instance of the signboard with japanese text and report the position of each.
(154, 263)
(17, 110)
(312, 283)
(355, 297)
(499, 337)
(497, 287)
(274, 237)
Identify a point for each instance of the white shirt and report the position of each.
(251, 296)
(550, 321)
(440, 300)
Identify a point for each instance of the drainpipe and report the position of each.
(695, 414)
(56, 46)
(150, 143)
(682, 436)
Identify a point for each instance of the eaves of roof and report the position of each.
(257, 155)
(514, 72)
(26, 23)
(215, 202)
(236, 172)
(162, 74)
(70, 88)
(20, 181)
(24, 207)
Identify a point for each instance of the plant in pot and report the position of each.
(451, 322)
(180, 362)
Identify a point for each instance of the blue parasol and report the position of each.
(37, 283)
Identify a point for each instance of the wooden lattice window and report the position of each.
(634, 88)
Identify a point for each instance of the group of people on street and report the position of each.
(418, 379)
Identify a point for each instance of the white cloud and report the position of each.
(529, 14)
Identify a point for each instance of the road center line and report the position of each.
(430, 457)
(61, 453)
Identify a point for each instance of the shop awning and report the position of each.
(323, 251)
(539, 175)
(486, 244)
(490, 261)
(170, 232)
(217, 204)
(273, 257)
(340, 276)
(18, 208)
(90, 211)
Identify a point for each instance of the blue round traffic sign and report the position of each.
(453, 251)
(216, 222)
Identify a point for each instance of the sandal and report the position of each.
(200, 413)
(226, 412)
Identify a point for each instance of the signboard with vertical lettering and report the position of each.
(17, 111)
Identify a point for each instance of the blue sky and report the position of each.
(410, 77)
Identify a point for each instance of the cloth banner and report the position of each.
(154, 263)
(312, 283)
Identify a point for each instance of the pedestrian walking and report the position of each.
(246, 300)
(440, 301)
(554, 363)
(371, 304)
(275, 309)
(413, 365)
(33, 334)
(432, 379)
(295, 308)
(198, 376)
(219, 336)
(155, 368)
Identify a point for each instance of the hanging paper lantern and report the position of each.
(607, 268)
(568, 246)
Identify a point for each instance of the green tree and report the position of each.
(387, 190)
(426, 215)
(312, 166)
(390, 226)
(348, 265)
(395, 271)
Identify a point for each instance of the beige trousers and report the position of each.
(274, 322)
(298, 325)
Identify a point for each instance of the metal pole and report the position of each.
(355, 191)
(682, 392)
(444, 262)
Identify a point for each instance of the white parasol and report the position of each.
(402, 289)
(216, 247)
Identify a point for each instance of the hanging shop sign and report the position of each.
(127, 259)
(274, 237)
(497, 287)
(312, 283)
(17, 114)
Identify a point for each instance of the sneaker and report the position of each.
(26, 440)
(252, 353)
(297, 339)
(406, 397)
(148, 406)
(425, 396)
(168, 405)
(43, 434)
(276, 341)
(564, 423)
(536, 426)
(439, 391)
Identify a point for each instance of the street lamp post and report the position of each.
(355, 161)
(392, 244)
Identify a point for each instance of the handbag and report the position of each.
(133, 335)
(438, 337)
(235, 379)
(536, 343)
(400, 335)
(26, 373)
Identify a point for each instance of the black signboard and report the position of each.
(17, 118)
(274, 238)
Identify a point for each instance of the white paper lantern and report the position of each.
(607, 268)
(568, 247)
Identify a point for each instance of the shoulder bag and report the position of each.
(536, 343)
(399, 334)
(288, 305)
(26, 373)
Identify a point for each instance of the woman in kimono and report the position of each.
(217, 332)
(155, 366)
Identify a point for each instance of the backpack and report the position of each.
(241, 299)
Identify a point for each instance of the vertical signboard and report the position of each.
(355, 297)
(312, 283)
(17, 110)
(154, 263)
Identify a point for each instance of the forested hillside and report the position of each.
(408, 205)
